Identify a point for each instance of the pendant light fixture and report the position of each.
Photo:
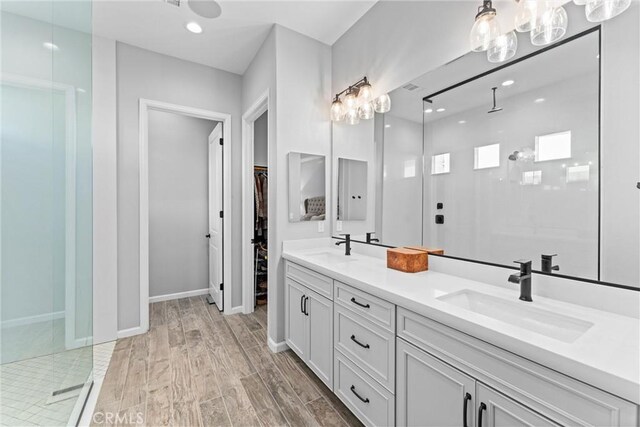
(358, 103)
(485, 28)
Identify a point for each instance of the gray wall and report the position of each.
(260, 140)
(178, 203)
(145, 74)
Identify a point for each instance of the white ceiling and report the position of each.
(229, 42)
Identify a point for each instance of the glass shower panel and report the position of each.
(45, 211)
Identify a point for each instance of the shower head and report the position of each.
(495, 108)
(514, 156)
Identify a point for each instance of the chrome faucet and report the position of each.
(371, 239)
(347, 242)
(524, 279)
(547, 264)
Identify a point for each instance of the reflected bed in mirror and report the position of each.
(307, 187)
(352, 190)
(519, 160)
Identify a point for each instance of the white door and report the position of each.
(430, 392)
(215, 234)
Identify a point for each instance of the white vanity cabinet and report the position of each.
(432, 393)
(309, 320)
(510, 390)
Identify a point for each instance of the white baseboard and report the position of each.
(29, 320)
(179, 295)
(277, 347)
(131, 332)
(234, 310)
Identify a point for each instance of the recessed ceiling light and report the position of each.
(194, 27)
(507, 83)
(387, 126)
(539, 100)
(462, 122)
(50, 46)
(440, 110)
(428, 110)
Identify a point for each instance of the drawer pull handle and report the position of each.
(465, 404)
(302, 304)
(353, 300)
(306, 299)
(353, 338)
(353, 390)
(481, 409)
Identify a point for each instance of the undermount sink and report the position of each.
(520, 314)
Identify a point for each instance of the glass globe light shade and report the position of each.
(504, 47)
(365, 94)
(601, 10)
(366, 111)
(484, 30)
(382, 104)
(550, 27)
(337, 110)
(352, 117)
(580, 2)
(526, 15)
(350, 100)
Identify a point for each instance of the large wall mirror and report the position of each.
(538, 156)
(307, 192)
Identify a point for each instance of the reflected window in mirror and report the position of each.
(307, 187)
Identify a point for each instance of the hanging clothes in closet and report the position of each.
(261, 188)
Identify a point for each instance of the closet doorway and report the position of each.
(178, 220)
(256, 209)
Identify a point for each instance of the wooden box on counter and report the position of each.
(410, 259)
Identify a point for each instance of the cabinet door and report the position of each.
(296, 320)
(496, 410)
(320, 337)
(429, 392)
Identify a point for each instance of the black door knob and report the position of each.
(208, 236)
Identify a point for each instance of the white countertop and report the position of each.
(606, 356)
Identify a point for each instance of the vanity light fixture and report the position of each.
(526, 15)
(503, 48)
(602, 10)
(550, 27)
(485, 28)
(358, 103)
(194, 27)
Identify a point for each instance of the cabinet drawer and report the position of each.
(312, 280)
(369, 346)
(370, 402)
(379, 311)
(556, 396)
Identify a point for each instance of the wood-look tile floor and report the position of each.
(197, 367)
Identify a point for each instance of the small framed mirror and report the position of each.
(307, 187)
(352, 190)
